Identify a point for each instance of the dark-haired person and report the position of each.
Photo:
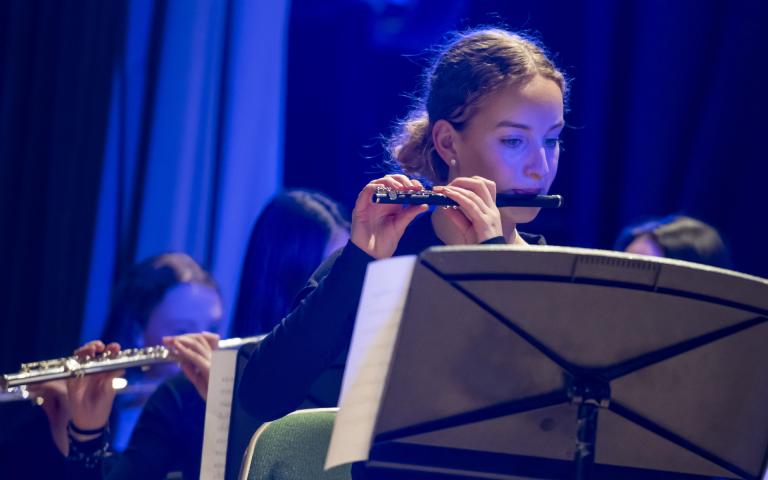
(489, 120)
(676, 236)
(164, 295)
(292, 235)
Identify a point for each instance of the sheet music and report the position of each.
(217, 413)
(378, 319)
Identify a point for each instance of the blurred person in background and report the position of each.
(678, 237)
(292, 235)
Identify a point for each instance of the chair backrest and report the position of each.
(293, 448)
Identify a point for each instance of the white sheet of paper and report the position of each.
(217, 413)
(373, 340)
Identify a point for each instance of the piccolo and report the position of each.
(429, 197)
(68, 367)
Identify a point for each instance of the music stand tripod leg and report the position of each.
(590, 394)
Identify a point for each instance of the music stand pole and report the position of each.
(589, 394)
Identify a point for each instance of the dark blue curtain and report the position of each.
(194, 139)
(57, 60)
(128, 129)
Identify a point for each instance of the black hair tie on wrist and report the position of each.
(81, 431)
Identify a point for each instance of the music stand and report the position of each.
(552, 362)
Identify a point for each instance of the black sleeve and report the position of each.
(282, 368)
(153, 450)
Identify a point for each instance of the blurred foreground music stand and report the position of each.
(571, 363)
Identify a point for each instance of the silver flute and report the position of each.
(69, 367)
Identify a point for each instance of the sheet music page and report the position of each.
(373, 340)
(217, 413)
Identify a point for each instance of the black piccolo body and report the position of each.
(428, 197)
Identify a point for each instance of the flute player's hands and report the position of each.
(477, 217)
(91, 396)
(194, 351)
(377, 228)
(52, 398)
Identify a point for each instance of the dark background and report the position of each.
(666, 116)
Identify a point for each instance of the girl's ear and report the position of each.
(444, 137)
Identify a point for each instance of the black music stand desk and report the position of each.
(550, 362)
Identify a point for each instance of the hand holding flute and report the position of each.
(90, 397)
(386, 206)
(432, 197)
(80, 405)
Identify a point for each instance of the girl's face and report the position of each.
(185, 308)
(513, 139)
(645, 245)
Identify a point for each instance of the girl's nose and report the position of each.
(537, 166)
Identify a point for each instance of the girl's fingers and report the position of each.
(112, 348)
(90, 349)
(212, 339)
(468, 200)
(197, 343)
(363, 201)
(491, 185)
(189, 355)
(406, 217)
(483, 188)
(460, 220)
(405, 181)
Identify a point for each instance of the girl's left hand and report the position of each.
(52, 398)
(90, 397)
(194, 352)
(478, 218)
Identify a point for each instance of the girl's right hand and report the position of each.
(377, 228)
(91, 396)
(194, 352)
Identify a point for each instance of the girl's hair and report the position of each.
(287, 243)
(144, 288)
(469, 68)
(680, 237)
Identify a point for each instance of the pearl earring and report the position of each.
(453, 162)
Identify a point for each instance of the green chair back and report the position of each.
(293, 448)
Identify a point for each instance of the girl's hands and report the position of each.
(477, 218)
(53, 399)
(193, 352)
(377, 228)
(91, 396)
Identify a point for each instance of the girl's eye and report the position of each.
(552, 142)
(512, 142)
